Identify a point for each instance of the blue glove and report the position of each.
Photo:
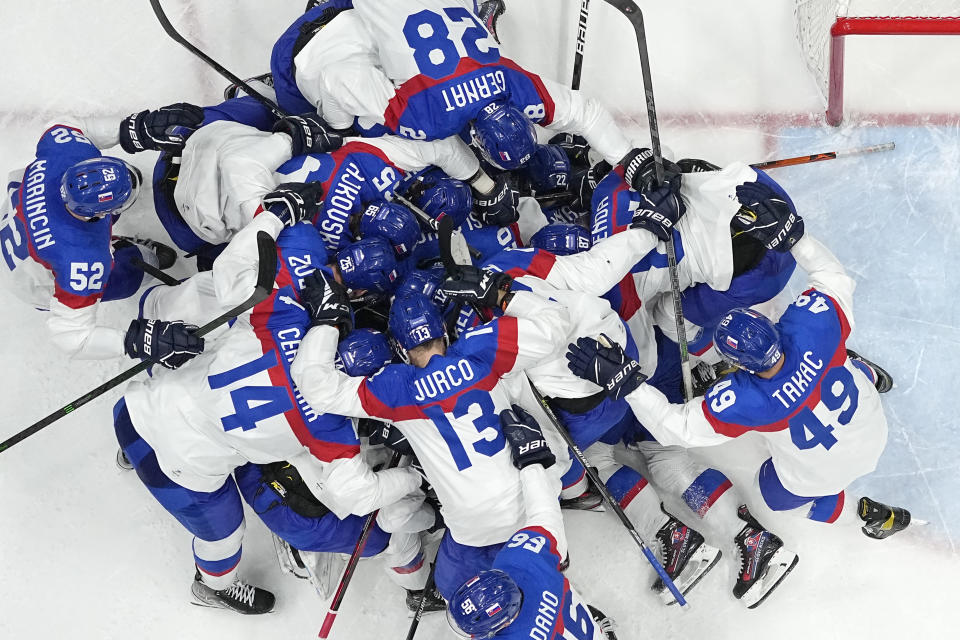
(766, 216)
(606, 366)
(327, 301)
(294, 201)
(172, 344)
(527, 443)
(160, 130)
(309, 134)
(658, 212)
(499, 207)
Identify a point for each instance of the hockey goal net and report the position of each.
(823, 25)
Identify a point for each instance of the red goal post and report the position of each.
(823, 25)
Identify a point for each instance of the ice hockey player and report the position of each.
(446, 403)
(595, 421)
(236, 404)
(816, 404)
(56, 226)
(601, 423)
(277, 493)
(524, 594)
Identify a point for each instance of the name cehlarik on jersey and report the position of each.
(289, 342)
(435, 383)
(802, 377)
(34, 205)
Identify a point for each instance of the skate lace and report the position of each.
(607, 625)
(241, 592)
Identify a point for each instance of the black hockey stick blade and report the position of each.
(216, 66)
(156, 272)
(415, 623)
(265, 276)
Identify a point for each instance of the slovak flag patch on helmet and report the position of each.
(732, 342)
(105, 197)
(493, 609)
(504, 156)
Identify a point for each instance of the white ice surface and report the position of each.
(86, 553)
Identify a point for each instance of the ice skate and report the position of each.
(289, 558)
(882, 380)
(589, 500)
(166, 256)
(234, 90)
(606, 624)
(764, 562)
(685, 557)
(123, 462)
(240, 597)
(435, 601)
(881, 521)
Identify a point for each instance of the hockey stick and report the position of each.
(156, 272)
(173, 33)
(606, 495)
(352, 563)
(415, 623)
(581, 43)
(266, 273)
(629, 9)
(820, 157)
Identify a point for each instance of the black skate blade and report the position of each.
(706, 565)
(206, 605)
(783, 575)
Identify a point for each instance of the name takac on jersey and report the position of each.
(35, 205)
(799, 380)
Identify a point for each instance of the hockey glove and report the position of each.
(658, 212)
(475, 286)
(490, 11)
(585, 182)
(309, 134)
(527, 443)
(640, 171)
(766, 216)
(172, 344)
(160, 130)
(327, 301)
(499, 207)
(577, 149)
(389, 436)
(292, 202)
(606, 366)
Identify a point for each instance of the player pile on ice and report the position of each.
(368, 342)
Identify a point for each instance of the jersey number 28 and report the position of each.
(435, 52)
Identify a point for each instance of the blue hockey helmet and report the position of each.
(369, 264)
(444, 194)
(549, 169)
(100, 186)
(562, 239)
(414, 320)
(392, 221)
(485, 605)
(363, 352)
(504, 135)
(748, 339)
(425, 282)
